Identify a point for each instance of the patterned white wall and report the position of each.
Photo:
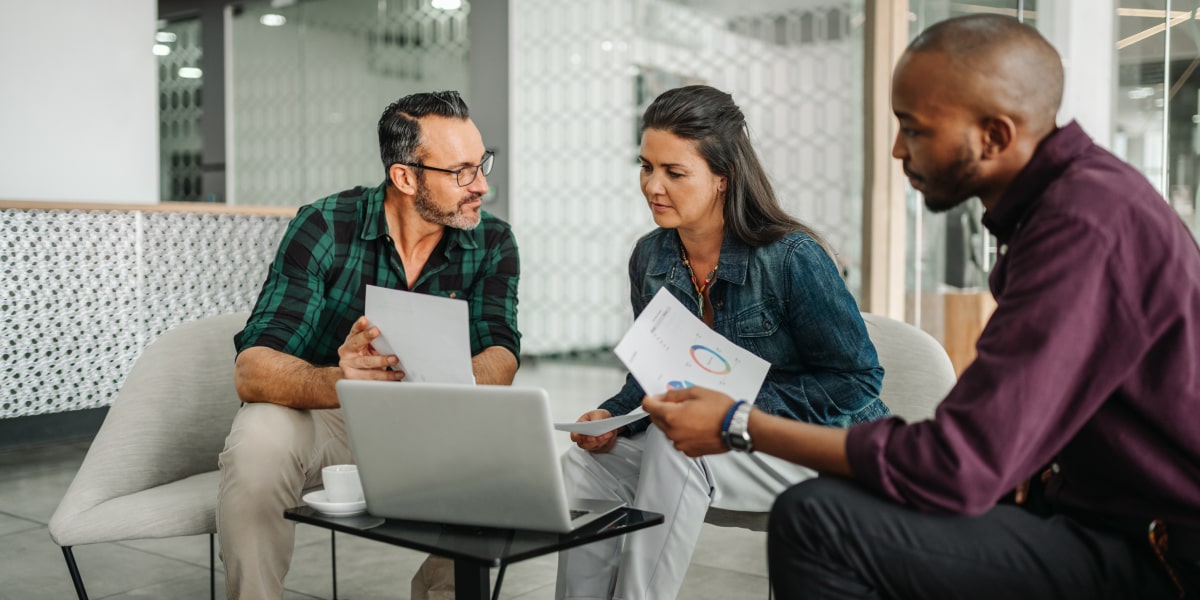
(85, 291)
(576, 206)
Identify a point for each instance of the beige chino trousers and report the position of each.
(272, 454)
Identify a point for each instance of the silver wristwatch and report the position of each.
(737, 437)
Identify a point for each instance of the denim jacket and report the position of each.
(785, 302)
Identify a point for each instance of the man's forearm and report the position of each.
(818, 447)
(494, 366)
(266, 375)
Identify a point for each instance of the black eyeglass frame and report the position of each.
(485, 165)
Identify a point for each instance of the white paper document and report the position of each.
(427, 333)
(603, 425)
(670, 348)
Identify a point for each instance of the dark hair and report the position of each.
(708, 117)
(400, 127)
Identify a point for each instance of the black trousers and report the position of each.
(830, 538)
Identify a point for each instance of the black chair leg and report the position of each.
(333, 559)
(212, 567)
(74, 569)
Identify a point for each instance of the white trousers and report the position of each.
(648, 473)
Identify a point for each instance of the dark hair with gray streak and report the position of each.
(708, 117)
(400, 127)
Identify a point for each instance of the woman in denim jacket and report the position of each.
(766, 282)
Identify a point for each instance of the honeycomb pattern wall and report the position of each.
(179, 112)
(86, 290)
(582, 72)
(307, 95)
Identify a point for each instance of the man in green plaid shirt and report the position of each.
(421, 230)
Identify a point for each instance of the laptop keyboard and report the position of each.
(575, 514)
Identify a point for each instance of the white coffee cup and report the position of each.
(342, 483)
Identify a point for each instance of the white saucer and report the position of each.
(321, 503)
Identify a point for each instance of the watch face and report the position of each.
(740, 442)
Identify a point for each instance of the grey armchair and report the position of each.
(917, 375)
(151, 471)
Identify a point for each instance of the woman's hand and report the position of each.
(596, 443)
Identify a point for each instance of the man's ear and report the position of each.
(404, 178)
(999, 132)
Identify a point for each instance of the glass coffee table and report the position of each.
(475, 550)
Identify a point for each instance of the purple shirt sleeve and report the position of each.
(1055, 349)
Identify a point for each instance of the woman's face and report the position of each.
(683, 193)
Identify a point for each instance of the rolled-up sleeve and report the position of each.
(285, 315)
(495, 321)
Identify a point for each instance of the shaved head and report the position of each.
(999, 66)
(974, 96)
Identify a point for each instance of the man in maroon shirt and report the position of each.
(1086, 385)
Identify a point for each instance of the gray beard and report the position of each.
(453, 218)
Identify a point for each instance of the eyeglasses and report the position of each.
(465, 175)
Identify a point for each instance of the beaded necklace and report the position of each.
(700, 288)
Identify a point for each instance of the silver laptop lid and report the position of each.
(462, 454)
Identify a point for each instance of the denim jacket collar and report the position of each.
(731, 266)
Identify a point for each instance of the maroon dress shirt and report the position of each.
(1091, 361)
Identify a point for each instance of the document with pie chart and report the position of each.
(668, 347)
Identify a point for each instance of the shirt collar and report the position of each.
(731, 266)
(1051, 158)
(374, 220)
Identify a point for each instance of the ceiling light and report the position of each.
(272, 20)
(1139, 93)
(190, 73)
(161, 50)
(282, 3)
(165, 37)
(447, 4)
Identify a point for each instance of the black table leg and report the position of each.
(471, 580)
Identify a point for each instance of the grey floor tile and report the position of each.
(546, 592)
(192, 549)
(529, 576)
(10, 524)
(732, 548)
(190, 586)
(32, 568)
(711, 583)
(34, 497)
(366, 569)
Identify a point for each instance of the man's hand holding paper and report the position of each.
(359, 359)
(432, 347)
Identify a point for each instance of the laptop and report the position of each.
(480, 455)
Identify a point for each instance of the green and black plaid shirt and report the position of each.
(337, 246)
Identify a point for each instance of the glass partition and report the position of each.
(583, 72)
(180, 100)
(310, 80)
(949, 255)
(1157, 122)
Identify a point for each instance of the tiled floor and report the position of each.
(729, 563)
